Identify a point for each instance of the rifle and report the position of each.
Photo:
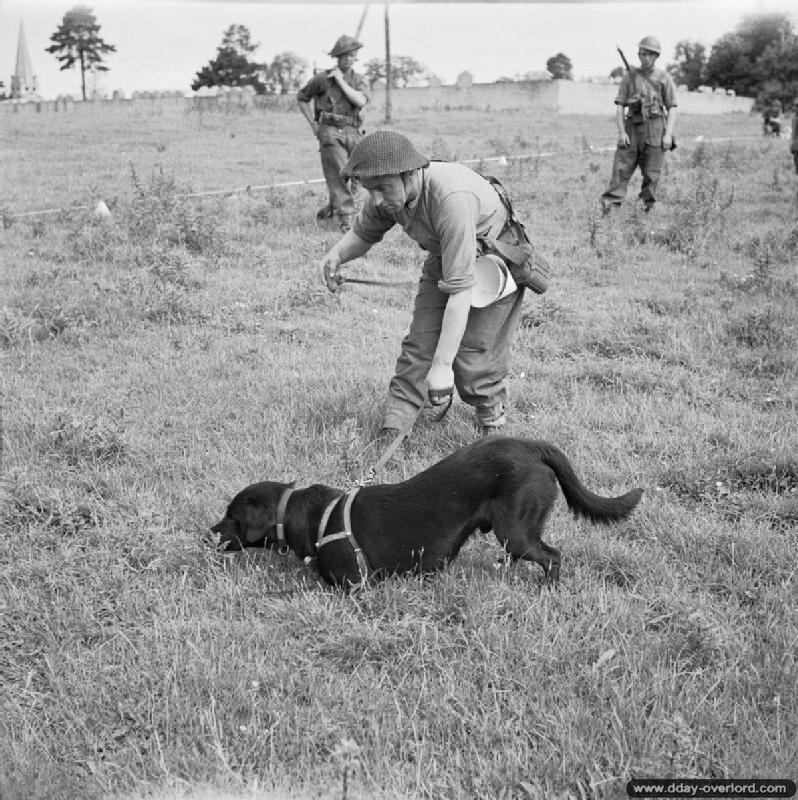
(623, 58)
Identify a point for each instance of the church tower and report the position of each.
(23, 81)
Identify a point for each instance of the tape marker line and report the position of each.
(289, 184)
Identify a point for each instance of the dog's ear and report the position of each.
(259, 519)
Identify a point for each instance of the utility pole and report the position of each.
(388, 75)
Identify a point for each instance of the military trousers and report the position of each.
(335, 145)
(480, 366)
(638, 153)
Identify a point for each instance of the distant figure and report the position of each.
(338, 94)
(771, 119)
(645, 116)
(794, 137)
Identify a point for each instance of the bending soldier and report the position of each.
(339, 95)
(450, 211)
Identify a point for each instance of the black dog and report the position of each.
(498, 483)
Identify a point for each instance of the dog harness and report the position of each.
(282, 546)
(346, 533)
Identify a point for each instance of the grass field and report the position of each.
(156, 362)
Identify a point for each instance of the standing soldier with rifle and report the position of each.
(645, 116)
(339, 95)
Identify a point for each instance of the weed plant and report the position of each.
(157, 361)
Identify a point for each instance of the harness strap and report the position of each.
(282, 504)
(346, 533)
(325, 518)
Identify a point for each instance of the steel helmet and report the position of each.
(650, 43)
(382, 153)
(344, 45)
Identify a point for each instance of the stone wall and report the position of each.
(599, 98)
(564, 97)
(476, 96)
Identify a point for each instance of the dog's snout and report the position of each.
(218, 527)
(228, 530)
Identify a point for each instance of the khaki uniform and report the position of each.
(647, 99)
(340, 125)
(454, 206)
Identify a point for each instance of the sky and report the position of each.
(161, 44)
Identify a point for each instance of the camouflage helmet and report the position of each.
(383, 153)
(650, 43)
(344, 45)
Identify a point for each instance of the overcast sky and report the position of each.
(162, 43)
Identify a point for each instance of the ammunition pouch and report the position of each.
(527, 266)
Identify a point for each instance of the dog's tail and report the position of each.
(580, 499)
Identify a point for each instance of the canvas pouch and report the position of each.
(527, 265)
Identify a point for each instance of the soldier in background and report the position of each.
(771, 119)
(645, 117)
(339, 95)
(794, 137)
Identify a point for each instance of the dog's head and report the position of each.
(251, 518)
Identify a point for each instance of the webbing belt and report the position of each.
(328, 118)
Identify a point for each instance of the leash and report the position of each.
(371, 475)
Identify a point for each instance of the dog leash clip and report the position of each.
(367, 479)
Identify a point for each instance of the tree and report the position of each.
(232, 66)
(78, 42)
(375, 71)
(238, 38)
(405, 70)
(759, 58)
(560, 66)
(690, 64)
(287, 71)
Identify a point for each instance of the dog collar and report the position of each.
(283, 548)
(346, 533)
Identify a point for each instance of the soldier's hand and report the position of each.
(667, 142)
(336, 74)
(623, 140)
(330, 265)
(440, 384)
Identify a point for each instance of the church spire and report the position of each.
(23, 81)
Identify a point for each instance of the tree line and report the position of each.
(759, 59)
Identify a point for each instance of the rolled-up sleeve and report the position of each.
(362, 86)
(457, 228)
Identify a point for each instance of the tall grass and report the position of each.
(156, 362)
